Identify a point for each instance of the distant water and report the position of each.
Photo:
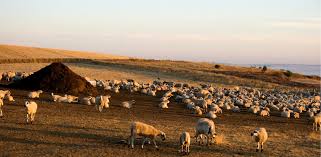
(297, 68)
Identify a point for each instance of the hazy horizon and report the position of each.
(237, 32)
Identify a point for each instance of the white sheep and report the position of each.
(35, 94)
(190, 105)
(87, 100)
(206, 127)
(146, 131)
(102, 102)
(185, 141)
(285, 113)
(55, 97)
(236, 109)
(31, 108)
(9, 98)
(128, 104)
(264, 113)
(3, 93)
(164, 104)
(316, 122)
(296, 115)
(211, 115)
(260, 136)
(197, 110)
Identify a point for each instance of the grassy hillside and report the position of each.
(23, 52)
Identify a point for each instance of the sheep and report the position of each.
(197, 110)
(34, 94)
(67, 99)
(128, 104)
(206, 127)
(55, 97)
(254, 109)
(185, 141)
(316, 122)
(146, 131)
(1, 104)
(164, 104)
(285, 113)
(102, 102)
(10, 98)
(3, 93)
(87, 100)
(260, 136)
(296, 115)
(31, 108)
(190, 105)
(236, 109)
(264, 113)
(211, 115)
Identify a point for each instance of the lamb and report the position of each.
(146, 131)
(164, 104)
(185, 141)
(67, 99)
(260, 136)
(102, 102)
(316, 122)
(31, 107)
(34, 94)
(206, 127)
(128, 104)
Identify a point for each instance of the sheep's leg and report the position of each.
(33, 117)
(261, 147)
(132, 140)
(154, 141)
(208, 140)
(100, 108)
(182, 148)
(27, 118)
(258, 147)
(1, 112)
(187, 148)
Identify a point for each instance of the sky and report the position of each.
(229, 31)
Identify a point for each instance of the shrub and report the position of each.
(288, 73)
(264, 69)
(217, 66)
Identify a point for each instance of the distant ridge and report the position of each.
(25, 52)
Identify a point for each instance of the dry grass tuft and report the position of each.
(315, 136)
(219, 139)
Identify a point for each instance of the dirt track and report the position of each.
(79, 130)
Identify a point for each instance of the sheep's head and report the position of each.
(40, 91)
(255, 133)
(27, 103)
(134, 101)
(163, 136)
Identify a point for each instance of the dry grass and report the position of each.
(23, 52)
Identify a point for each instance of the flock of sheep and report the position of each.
(203, 100)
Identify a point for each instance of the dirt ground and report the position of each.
(79, 130)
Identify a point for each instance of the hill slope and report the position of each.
(23, 52)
